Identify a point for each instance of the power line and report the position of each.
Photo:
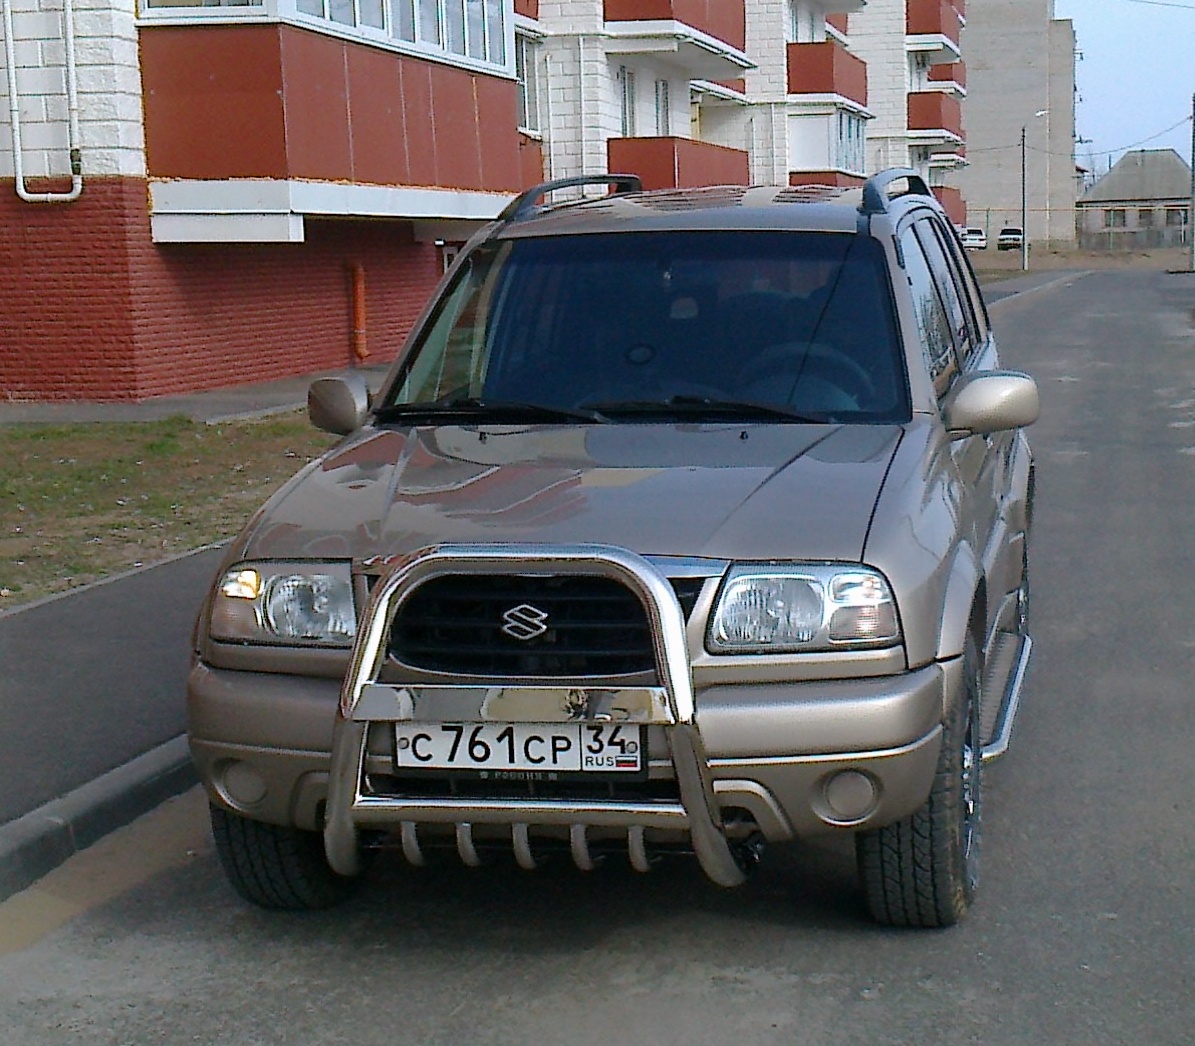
(1099, 152)
(1163, 3)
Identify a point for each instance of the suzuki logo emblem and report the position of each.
(524, 622)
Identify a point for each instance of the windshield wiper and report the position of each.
(702, 406)
(475, 407)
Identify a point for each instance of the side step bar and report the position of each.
(1001, 733)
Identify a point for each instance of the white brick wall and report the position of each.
(877, 35)
(112, 135)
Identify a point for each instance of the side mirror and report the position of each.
(992, 401)
(338, 405)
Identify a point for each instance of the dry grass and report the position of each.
(81, 501)
(1008, 263)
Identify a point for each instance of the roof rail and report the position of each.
(524, 204)
(875, 191)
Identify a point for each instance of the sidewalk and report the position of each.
(230, 403)
(113, 747)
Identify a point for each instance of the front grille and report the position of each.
(588, 626)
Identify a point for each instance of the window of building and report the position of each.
(1176, 217)
(1145, 217)
(526, 67)
(849, 143)
(626, 97)
(1115, 218)
(802, 23)
(469, 29)
(663, 112)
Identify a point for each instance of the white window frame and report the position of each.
(626, 101)
(526, 56)
(663, 110)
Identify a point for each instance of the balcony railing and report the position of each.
(954, 72)
(952, 203)
(936, 111)
(826, 68)
(678, 163)
(724, 20)
(933, 18)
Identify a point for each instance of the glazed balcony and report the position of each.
(723, 20)
(827, 68)
(933, 28)
(935, 118)
(678, 163)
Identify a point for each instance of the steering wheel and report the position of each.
(779, 366)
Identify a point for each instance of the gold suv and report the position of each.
(685, 521)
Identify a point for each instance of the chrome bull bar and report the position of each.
(365, 700)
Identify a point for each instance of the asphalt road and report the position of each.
(1082, 933)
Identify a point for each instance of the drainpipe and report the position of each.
(72, 101)
(360, 350)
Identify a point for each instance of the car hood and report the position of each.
(722, 491)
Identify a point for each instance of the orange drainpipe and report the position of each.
(360, 350)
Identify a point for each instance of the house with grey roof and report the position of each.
(1143, 202)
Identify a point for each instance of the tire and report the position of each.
(923, 870)
(276, 867)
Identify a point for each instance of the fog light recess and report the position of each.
(241, 785)
(849, 796)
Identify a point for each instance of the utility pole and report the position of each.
(1191, 211)
(1024, 209)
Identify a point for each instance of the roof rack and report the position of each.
(524, 204)
(875, 191)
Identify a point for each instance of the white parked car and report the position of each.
(1011, 238)
(974, 239)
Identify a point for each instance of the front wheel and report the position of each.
(277, 867)
(922, 871)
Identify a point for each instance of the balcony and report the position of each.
(724, 20)
(933, 28)
(952, 77)
(827, 69)
(527, 8)
(952, 203)
(678, 163)
(323, 126)
(705, 39)
(935, 119)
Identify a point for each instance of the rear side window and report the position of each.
(803, 321)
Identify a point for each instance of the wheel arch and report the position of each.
(963, 607)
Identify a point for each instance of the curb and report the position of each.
(40, 841)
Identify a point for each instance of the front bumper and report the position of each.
(725, 764)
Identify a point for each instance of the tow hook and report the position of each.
(748, 852)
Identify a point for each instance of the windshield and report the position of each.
(654, 326)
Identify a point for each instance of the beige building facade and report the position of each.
(1020, 82)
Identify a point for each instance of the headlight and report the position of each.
(288, 603)
(765, 609)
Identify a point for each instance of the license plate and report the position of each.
(535, 747)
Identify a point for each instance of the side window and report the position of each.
(982, 324)
(937, 345)
(942, 269)
(968, 288)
